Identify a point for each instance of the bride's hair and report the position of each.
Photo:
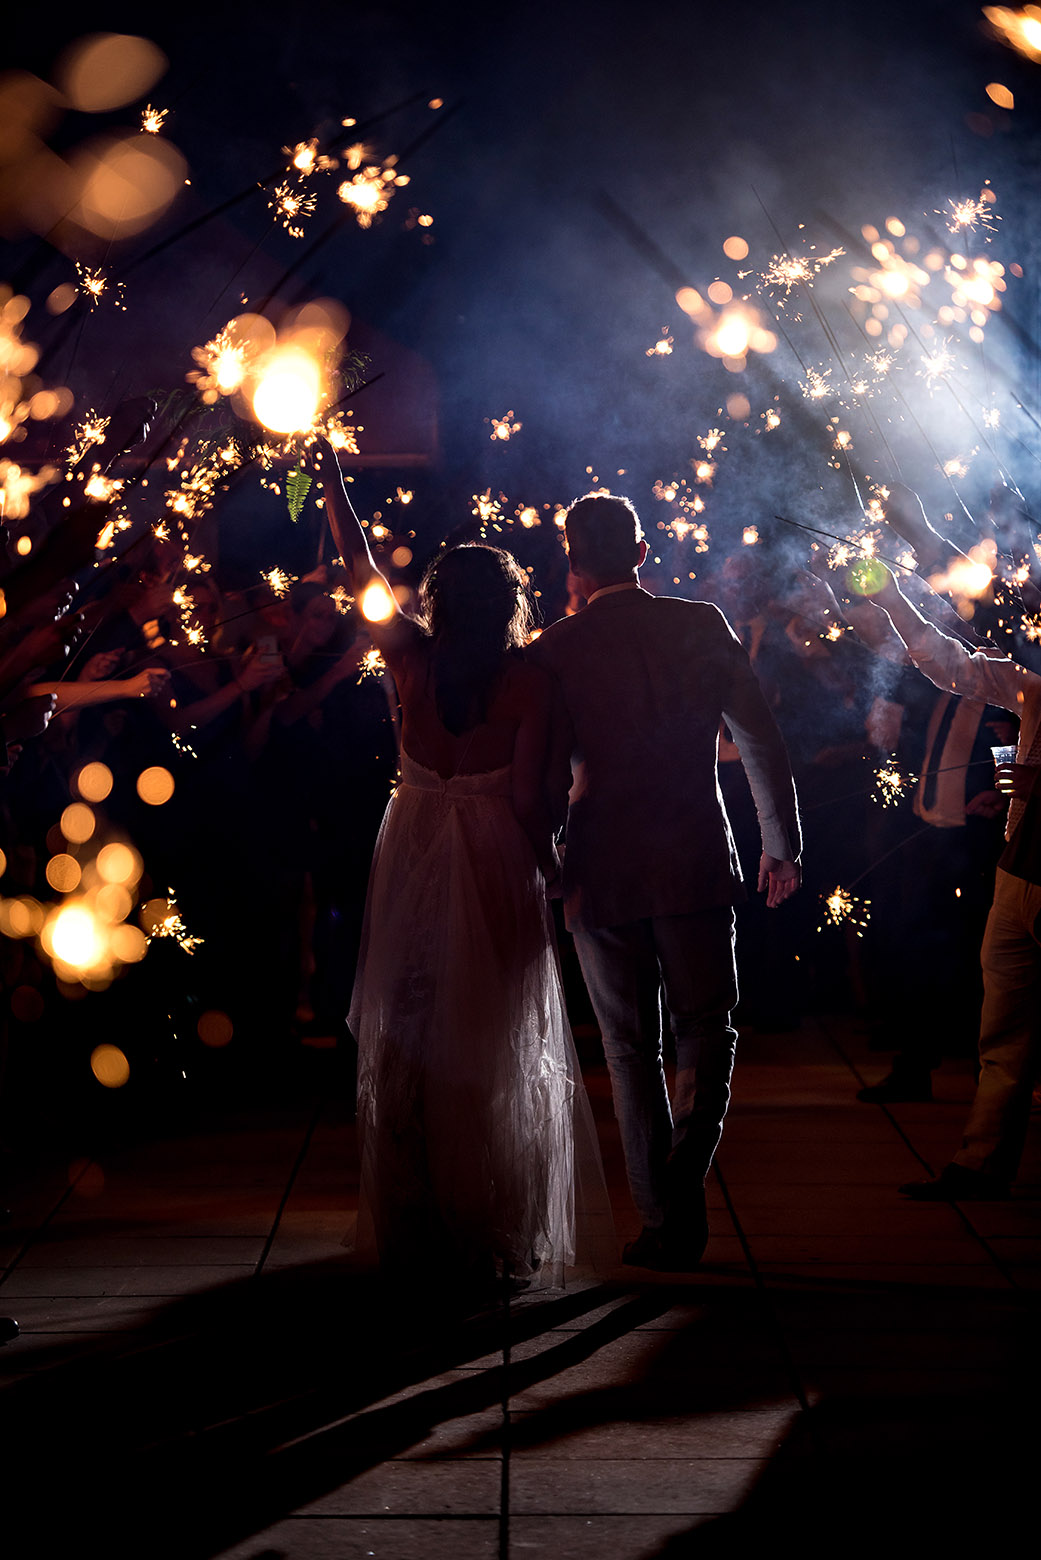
(475, 604)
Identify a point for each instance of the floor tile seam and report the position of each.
(794, 1375)
(295, 1169)
(45, 1222)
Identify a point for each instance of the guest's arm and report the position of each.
(952, 666)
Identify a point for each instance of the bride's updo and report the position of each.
(475, 604)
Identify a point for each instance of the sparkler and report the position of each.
(306, 159)
(786, 272)
(371, 664)
(94, 284)
(504, 428)
(17, 487)
(816, 384)
(162, 919)
(662, 347)
(91, 430)
(279, 582)
(890, 784)
(368, 193)
(222, 363)
(152, 119)
(343, 599)
(290, 207)
(966, 215)
(842, 906)
(485, 507)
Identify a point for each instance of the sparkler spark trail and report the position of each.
(371, 664)
(162, 918)
(368, 193)
(816, 384)
(662, 347)
(890, 784)
(964, 216)
(291, 207)
(343, 599)
(278, 581)
(94, 284)
(840, 906)
(152, 119)
(485, 507)
(787, 271)
(503, 428)
(222, 366)
(91, 430)
(306, 159)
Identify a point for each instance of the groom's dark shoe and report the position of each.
(666, 1250)
(957, 1183)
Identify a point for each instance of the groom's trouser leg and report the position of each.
(620, 968)
(699, 980)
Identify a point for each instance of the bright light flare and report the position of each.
(288, 390)
(1020, 30)
(377, 602)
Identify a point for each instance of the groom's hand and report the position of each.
(778, 880)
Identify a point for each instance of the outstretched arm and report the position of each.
(351, 541)
(952, 666)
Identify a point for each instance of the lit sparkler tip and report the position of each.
(662, 347)
(504, 428)
(152, 119)
(840, 906)
(890, 784)
(291, 207)
(279, 581)
(371, 664)
(368, 193)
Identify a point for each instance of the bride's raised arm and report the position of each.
(391, 628)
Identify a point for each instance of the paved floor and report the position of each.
(201, 1371)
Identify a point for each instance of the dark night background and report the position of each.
(798, 123)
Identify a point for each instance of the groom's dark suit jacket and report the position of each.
(645, 681)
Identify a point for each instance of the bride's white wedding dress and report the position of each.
(478, 1148)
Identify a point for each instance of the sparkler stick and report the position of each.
(833, 342)
(892, 563)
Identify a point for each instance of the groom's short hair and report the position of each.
(603, 535)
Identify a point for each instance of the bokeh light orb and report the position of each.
(155, 785)
(287, 391)
(866, 577)
(103, 71)
(109, 1066)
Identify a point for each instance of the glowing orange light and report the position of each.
(377, 603)
(77, 823)
(109, 1066)
(155, 785)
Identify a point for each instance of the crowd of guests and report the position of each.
(281, 745)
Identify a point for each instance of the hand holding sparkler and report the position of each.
(373, 593)
(778, 880)
(905, 515)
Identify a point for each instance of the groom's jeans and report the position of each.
(689, 961)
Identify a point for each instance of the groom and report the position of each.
(650, 870)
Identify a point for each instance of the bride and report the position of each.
(478, 1151)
